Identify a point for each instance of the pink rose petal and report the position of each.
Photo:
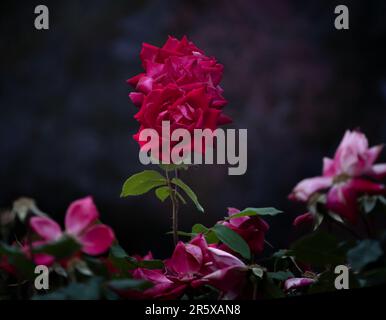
(47, 228)
(80, 214)
(97, 239)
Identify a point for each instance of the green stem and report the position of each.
(174, 200)
(175, 194)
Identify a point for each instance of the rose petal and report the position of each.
(294, 283)
(343, 197)
(186, 258)
(145, 84)
(230, 280)
(97, 239)
(342, 200)
(372, 155)
(46, 228)
(155, 276)
(224, 259)
(80, 214)
(378, 171)
(43, 259)
(328, 167)
(307, 187)
(236, 222)
(304, 219)
(366, 186)
(134, 80)
(136, 98)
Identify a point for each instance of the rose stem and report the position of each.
(174, 209)
(176, 200)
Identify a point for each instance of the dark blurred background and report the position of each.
(293, 80)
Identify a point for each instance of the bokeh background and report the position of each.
(293, 80)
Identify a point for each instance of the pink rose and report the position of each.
(81, 223)
(346, 177)
(192, 265)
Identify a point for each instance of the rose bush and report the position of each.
(226, 261)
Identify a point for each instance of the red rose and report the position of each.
(191, 110)
(180, 85)
(251, 229)
(180, 63)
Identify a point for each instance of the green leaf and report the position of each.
(121, 260)
(282, 253)
(369, 203)
(189, 192)
(211, 237)
(319, 249)
(124, 262)
(258, 272)
(367, 251)
(199, 228)
(133, 284)
(65, 247)
(269, 211)
(209, 234)
(117, 251)
(335, 216)
(142, 182)
(318, 219)
(97, 266)
(162, 193)
(232, 240)
(382, 199)
(82, 267)
(280, 275)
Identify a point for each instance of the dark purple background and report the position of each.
(291, 79)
